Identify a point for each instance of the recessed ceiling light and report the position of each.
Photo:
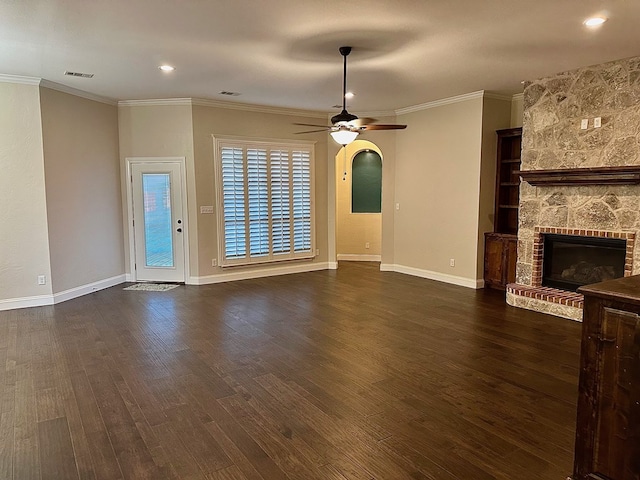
(349, 95)
(594, 21)
(167, 68)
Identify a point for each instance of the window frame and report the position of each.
(246, 143)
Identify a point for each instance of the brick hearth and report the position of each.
(574, 301)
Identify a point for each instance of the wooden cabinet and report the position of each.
(499, 259)
(500, 246)
(608, 422)
(508, 180)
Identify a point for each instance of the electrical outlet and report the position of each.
(42, 279)
(452, 262)
(397, 205)
(317, 252)
(366, 245)
(214, 262)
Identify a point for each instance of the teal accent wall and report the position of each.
(366, 183)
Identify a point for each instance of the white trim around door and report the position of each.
(173, 168)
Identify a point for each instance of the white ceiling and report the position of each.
(285, 52)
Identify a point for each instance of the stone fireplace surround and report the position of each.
(561, 302)
(552, 140)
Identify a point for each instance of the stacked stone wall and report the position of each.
(553, 139)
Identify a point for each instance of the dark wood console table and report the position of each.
(608, 422)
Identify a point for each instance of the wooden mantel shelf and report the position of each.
(629, 175)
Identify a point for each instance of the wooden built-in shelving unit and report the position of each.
(500, 245)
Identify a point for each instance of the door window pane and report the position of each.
(156, 188)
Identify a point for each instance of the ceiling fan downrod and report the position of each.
(344, 116)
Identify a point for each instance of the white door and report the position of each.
(158, 222)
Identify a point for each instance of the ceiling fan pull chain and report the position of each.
(344, 165)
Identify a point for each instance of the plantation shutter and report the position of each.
(280, 208)
(233, 202)
(258, 202)
(301, 201)
(265, 208)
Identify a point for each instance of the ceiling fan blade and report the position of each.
(361, 122)
(312, 125)
(314, 131)
(382, 126)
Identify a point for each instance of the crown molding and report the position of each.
(517, 96)
(55, 86)
(19, 79)
(440, 103)
(374, 114)
(76, 92)
(155, 102)
(206, 102)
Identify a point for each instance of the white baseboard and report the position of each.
(440, 277)
(352, 257)
(88, 288)
(43, 300)
(257, 273)
(26, 302)
(333, 265)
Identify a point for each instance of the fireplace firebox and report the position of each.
(571, 261)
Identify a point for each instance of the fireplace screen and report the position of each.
(572, 261)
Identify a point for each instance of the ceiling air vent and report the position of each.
(78, 74)
(229, 94)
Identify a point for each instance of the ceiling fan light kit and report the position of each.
(345, 126)
(344, 136)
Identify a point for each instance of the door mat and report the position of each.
(151, 287)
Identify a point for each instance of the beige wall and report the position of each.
(437, 187)
(82, 174)
(186, 131)
(209, 121)
(517, 110)
(437, 179)
(24, 248)
(386, 141)
(158, 131)
(354, 230)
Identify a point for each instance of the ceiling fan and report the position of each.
(345, 127)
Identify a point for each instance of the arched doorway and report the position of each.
(359, 202)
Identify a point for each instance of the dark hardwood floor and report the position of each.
(348, 374)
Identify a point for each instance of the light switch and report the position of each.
(206, 208)
(584, 124)
(597, 122)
